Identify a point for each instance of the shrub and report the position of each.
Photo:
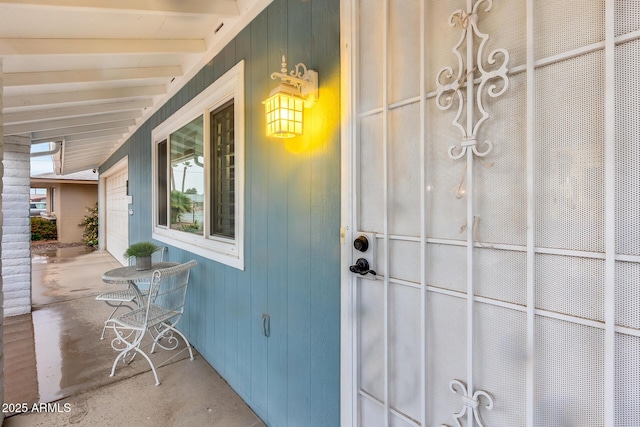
(90, 224)
(43, 229)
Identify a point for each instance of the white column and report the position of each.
(16, 228)
(610, 211)
(1, 222)
(531, 200)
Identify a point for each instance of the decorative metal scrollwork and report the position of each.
(471, 402)
(450, 83)
(300, 71)
(163, 332)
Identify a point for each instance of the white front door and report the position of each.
(116, 211)
(502, 220)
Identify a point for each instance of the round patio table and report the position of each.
(129, 274)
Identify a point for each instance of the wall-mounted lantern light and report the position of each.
(284, 107)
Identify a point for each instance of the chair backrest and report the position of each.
(158, 256)
(169, 287)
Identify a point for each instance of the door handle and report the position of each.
(361, 243)
(361, 267)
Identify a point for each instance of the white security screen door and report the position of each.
(492, 163)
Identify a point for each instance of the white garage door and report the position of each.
(117, 213)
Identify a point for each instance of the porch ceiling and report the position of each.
(87, 73)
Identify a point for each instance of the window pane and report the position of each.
(223, 172)
(162, 183)
(187, 177)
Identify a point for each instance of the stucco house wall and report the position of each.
(71, 201)
(68, 196)
(292, 227)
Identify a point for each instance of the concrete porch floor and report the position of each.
(55, 355)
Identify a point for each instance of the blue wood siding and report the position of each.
(292, 225)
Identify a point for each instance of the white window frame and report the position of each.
(224, 250)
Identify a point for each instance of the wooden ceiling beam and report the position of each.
(115, 133)
(48, 125)
(16, 47)
(18, 101)
(215, 7)
(77, 111)
(85, 76)
(56, 134)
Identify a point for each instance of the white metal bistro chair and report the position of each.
(157, 318)
(128, 297)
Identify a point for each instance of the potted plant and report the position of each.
(142, 251)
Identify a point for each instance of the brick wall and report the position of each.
(16, 230)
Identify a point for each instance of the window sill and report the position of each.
(226, 254)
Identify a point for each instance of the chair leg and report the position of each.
(104, 328)
(120, 304)
(137, 350)
(167, 328)
(131, 347)
(115, 362)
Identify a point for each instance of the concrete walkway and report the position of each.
(55, 356)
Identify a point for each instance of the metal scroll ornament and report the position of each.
(469, 82)
(472, 403)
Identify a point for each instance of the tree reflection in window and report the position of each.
(187, 177)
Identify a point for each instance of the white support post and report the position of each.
(610, 221)
(531, 244)
(385, 197)
(1, 222)
(423, 217)
(16, 228)
(348, 329)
